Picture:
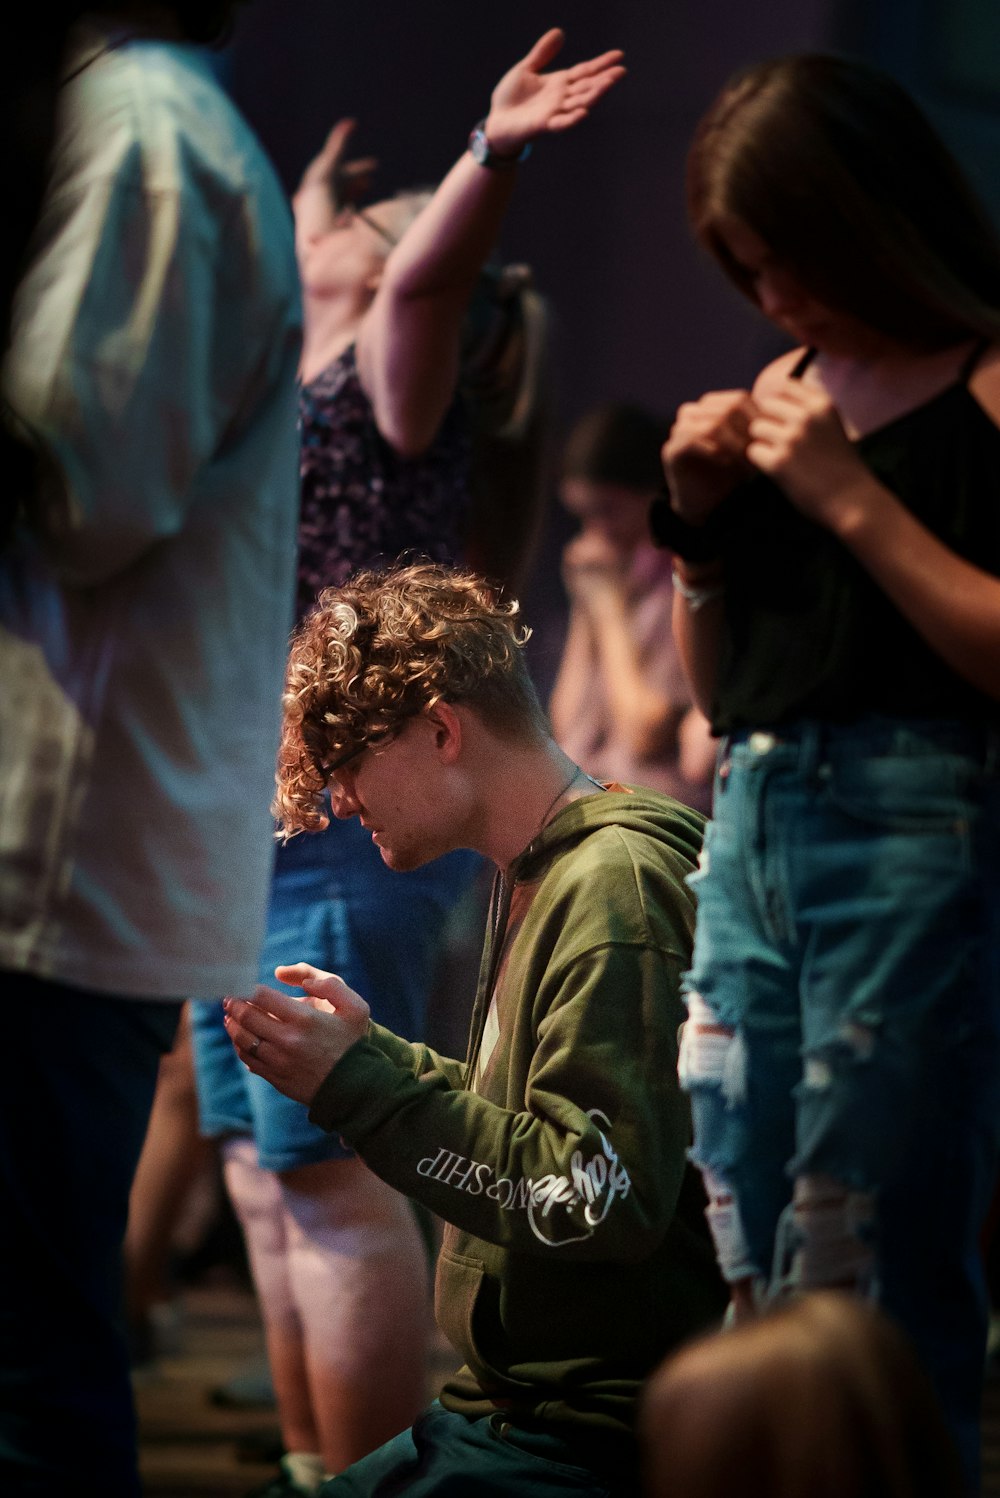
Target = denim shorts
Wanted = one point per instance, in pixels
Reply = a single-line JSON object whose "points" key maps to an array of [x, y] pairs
{"points": [[848, 933], [336, 905]]}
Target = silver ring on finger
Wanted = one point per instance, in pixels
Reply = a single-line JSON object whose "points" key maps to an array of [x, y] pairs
{"points": [[256, 1045]]}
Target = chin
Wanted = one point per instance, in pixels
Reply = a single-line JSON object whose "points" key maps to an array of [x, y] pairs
{"points": [[401, 862]]}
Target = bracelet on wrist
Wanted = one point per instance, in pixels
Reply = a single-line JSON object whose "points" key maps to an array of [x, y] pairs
{"points": [[695, 595]]}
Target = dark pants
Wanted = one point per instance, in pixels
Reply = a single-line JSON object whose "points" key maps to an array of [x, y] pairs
{"points": [[446, 1455], [79, 1071]]}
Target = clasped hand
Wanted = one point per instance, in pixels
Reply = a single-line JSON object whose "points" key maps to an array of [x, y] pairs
{"points": [[294, 1043], [593, 569], [786, 429]]}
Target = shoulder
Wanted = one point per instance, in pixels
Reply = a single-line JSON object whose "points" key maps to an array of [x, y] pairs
{"points": [[985, 382], [625, 880], [775, 373]]}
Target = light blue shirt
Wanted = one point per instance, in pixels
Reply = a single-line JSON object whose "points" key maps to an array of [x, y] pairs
{"points": [[145, 605]]}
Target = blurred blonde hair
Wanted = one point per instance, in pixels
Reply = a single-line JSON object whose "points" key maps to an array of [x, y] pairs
{"points": [[821, 1397]]}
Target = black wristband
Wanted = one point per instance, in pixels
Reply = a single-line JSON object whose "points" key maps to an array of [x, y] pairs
{"points": [[692, 543]]}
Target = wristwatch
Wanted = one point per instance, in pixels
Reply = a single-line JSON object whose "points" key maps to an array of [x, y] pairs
{"points": [[483, 153]]}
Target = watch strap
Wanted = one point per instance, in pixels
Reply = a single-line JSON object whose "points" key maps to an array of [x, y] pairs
{"points": [[484, 154]]}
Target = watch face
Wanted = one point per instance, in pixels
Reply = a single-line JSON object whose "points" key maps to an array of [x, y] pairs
{"points": [[479, 147]]}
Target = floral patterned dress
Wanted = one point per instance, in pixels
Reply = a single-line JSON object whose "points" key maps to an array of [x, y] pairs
{"points": [[362, 504]]}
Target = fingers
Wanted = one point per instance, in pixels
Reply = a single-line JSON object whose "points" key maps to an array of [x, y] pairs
{"points": [[339, 135], [324, 991], [607, 60], [716, 426], [264, 1013], [545, 49], [313, 979], [249, 1025]]}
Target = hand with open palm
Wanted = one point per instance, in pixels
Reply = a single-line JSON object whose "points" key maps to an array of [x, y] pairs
{"points": [[528, 102]]}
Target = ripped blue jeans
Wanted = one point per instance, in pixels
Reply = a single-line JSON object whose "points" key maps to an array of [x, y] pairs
{"points": [[842, 1051]]}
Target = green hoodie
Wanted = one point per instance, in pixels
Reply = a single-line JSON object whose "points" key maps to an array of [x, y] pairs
{"points": [[575, 1253]]}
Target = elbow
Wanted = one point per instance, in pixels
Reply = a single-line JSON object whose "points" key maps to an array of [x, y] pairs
{"points": [[407, 433]]}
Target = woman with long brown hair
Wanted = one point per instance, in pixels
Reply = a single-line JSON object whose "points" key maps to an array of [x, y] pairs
{"points": [[837, 530]]}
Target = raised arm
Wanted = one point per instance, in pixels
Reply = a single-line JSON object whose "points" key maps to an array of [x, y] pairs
{"points": [[329, 182], [408, 344]]}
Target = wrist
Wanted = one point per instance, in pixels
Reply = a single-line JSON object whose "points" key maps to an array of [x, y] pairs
{"points": [[698, 594], [699, 574], [491, 148]]}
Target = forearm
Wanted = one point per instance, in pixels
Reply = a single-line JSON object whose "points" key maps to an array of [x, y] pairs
{"points": [[698, 629], [644, 714], [442, 252], [314, 211], [591, 1164], [409, 342], [573, 679], [953, 604]]}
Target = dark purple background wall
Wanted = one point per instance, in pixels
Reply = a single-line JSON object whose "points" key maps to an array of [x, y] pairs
{"points": [[640, 313], [599, 213]]}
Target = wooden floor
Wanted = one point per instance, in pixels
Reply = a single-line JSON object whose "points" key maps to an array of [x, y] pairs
{"points": [[191, 1448]]}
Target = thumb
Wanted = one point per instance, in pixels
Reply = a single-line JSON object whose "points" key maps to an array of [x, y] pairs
{"points": [[324, 990], [545, 49]]}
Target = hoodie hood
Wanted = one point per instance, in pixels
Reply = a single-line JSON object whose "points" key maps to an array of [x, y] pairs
{"points": [[631, 808]]}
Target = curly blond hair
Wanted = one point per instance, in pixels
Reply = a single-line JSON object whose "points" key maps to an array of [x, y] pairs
{"points": [[383, 648]]}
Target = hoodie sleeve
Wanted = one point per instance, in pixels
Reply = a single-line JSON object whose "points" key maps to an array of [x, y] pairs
{"points": [[589, 1167]]}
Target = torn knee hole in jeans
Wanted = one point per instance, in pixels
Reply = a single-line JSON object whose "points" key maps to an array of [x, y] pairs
{"points": [[711, 1053], [726, 1226], [833, 1230], [857, 1039]]}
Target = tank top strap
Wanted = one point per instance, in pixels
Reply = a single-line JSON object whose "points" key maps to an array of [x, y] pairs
{"points": [[802, 364]]}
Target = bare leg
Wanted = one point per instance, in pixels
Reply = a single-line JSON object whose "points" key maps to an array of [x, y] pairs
{"points": [[341, 1275], [173, 1156]]}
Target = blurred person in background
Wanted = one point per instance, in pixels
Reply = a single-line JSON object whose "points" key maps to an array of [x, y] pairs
{"points": [[821, 1396], [145, 599], [621, 704]]}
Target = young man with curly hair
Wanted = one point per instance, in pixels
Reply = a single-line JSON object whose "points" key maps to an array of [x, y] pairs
{"points": [[575, 1253]]}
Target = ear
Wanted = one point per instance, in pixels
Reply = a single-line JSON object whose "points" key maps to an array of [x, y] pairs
{"points": [[446, 724]]}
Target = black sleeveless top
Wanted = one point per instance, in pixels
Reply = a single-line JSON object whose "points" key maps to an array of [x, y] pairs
{"points": [[808, 633]]}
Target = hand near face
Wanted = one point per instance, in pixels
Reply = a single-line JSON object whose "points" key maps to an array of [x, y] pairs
{"points": [[300, 1040], [592, 568], [797, 438], [705, 456], [344, 181], [527, 102], [328, 182]]}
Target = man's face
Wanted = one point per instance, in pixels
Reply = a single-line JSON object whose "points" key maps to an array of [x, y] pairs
{"points": [[397, 789]]}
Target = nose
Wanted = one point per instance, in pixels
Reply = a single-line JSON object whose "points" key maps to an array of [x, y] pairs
{"points": [[777, 294], [343, 801]]}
